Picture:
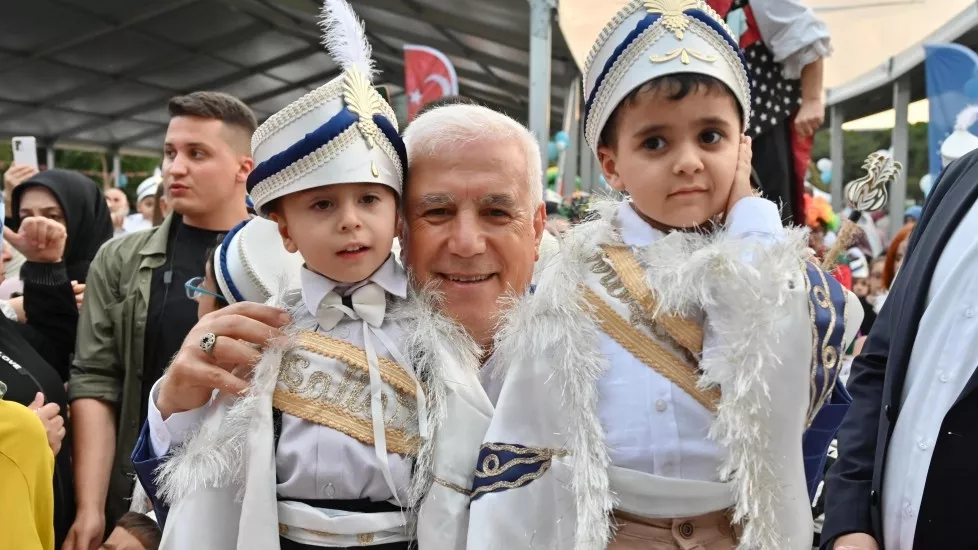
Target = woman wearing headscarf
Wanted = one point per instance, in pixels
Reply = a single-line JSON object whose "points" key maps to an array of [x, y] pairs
{"points": [[75, 202], [28, 352]]}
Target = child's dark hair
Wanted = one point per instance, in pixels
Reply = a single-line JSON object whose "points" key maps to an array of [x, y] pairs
{"points": [[676, 86], [144, 529]]}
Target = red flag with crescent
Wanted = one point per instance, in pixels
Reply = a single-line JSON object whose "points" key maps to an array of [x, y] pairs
{"points": [[428, 75]]}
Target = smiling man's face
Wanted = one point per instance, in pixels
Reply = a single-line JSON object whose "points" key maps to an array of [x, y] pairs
{"points": [[472, 229]]}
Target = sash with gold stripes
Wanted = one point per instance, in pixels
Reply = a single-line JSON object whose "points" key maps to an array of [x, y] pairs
{"points": [[681, 371]]}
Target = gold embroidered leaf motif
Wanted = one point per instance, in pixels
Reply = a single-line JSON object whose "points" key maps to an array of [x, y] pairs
{"points": [[672, 13], [364, 101]]}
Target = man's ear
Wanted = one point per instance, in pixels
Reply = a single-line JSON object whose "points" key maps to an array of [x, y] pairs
{"points": [[245, 165], [608, 160], [539, 226], [283, 230]]}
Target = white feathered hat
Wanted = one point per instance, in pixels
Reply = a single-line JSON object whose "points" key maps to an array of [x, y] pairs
{"points": [[341, 132], [649, 39], [961, 141], [252, 264]]}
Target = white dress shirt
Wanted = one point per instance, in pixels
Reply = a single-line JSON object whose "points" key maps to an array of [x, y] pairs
{"points": [[313, 461], [944, 357], [650, 424], [795, 35]]}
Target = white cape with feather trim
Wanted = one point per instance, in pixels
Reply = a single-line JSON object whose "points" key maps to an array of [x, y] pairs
{"points": [[221, 484], [546, 435]]}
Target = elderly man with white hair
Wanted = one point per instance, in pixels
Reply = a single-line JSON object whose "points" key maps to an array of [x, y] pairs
{"points": [[473, 219]]}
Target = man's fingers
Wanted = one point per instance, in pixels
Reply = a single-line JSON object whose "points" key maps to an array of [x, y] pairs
{"points": [[218, 378], [269, 315], [243, 328], [38, 401], [13, 237], [230, 353], [49, 411]]}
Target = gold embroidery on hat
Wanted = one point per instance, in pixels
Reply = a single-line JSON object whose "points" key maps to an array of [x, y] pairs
{"points": [[683, 54], [672, 13], [363, 100], [374, 170]]}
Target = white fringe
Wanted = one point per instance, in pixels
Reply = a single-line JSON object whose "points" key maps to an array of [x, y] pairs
{"points": [[553, 325], [433, 342], [345, 38]]}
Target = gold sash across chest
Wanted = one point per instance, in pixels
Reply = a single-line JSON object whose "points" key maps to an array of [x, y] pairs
{"points": [[646, 349]]}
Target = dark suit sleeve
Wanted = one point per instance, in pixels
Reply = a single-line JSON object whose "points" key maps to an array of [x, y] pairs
{"points": [[145, 464], [848, 485]]}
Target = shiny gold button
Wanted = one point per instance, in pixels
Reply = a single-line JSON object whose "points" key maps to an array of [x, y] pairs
{"points": [[686, 530]]}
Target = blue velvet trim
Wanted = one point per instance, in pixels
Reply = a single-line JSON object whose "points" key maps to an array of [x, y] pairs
{"points": [[392, 136], [818, 437], [645, 23], [302, 148], [827, 301], [504, 466], [224, 261]]}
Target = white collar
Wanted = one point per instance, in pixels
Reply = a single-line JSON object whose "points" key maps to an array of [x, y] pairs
{"points": [[390, 276], [634, 230]]}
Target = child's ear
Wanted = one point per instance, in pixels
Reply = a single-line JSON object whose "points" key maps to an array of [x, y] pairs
{"points": [[608, 160], [283, 230]]}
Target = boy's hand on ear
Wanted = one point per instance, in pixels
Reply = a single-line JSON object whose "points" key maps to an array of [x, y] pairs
{"points": [[741, 187]]}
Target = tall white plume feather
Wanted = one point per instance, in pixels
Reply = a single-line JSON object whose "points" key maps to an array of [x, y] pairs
{"points": [[966, 118], [345, 38]]}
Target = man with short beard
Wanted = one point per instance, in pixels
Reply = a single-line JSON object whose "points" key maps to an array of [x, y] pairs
{"points": [[136, 312]]}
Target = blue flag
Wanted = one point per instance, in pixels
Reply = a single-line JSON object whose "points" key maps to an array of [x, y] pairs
{"points": [[952, 85]]}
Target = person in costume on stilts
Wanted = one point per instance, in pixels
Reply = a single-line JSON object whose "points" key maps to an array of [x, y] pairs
{"points": [[664, 408], [319, 453]]}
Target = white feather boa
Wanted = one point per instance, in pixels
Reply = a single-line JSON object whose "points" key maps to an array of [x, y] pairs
{"points": [[216, 455], [689, 272]]}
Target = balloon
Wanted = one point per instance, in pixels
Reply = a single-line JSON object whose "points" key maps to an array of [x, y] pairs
{"points": [[552, 175], [827, 176], [552, 151], [824, 165], [561, 146], [602, 180], [926, 183], [562, 138]]}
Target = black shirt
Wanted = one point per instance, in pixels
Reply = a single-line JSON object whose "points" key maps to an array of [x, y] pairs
{"points": [[170, 314]]}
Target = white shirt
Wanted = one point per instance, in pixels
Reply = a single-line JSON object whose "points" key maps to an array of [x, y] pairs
{"points": [[650, 424], [313, 461], [944, 357]]}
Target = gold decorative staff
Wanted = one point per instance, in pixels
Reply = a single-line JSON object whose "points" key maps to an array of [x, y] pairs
{"points": [[866, 194]]}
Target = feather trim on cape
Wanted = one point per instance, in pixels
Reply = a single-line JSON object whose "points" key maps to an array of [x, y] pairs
{"points": [[690, 272]]}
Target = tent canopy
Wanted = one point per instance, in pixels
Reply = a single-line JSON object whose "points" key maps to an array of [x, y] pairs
{"points": [[78, 73]]}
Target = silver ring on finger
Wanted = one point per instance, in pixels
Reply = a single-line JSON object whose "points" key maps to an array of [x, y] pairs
{"points": [[207, 342]]}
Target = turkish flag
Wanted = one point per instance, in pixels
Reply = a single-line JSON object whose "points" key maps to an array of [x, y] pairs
{"points": [[428, 75]]}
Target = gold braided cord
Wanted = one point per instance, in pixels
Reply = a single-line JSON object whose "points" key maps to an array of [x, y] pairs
{"points": [[685, 332], [336, 417], [390, 372], [646, 350]]}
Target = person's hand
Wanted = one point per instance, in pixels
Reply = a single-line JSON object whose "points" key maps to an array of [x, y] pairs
{"points": [[39, 239], [54, 424], [741, 187], [855, 541], [87, 532], [18, 305], [79, 290], [194, 373], [16, 175], [810, 116]]}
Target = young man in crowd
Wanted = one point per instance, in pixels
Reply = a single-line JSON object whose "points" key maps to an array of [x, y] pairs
{"points": [[136, 313]]}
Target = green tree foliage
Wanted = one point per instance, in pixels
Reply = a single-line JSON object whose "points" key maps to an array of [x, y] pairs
{"points": [[857, 145]]}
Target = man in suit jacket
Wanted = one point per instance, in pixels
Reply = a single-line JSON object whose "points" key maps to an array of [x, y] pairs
{"points": [[906, 473]]}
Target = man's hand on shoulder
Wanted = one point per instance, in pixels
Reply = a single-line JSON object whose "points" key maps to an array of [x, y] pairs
{"points": [[195, 373], [855, 541]]}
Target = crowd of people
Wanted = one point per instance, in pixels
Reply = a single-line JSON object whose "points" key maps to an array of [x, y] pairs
{"points": [[326, 332]]}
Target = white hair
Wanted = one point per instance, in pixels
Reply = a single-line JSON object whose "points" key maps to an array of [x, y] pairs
{"points": [[450, 127]]}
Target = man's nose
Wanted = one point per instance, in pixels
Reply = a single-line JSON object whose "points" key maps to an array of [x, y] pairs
{"points": [[468, 238], [176, 166]]}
